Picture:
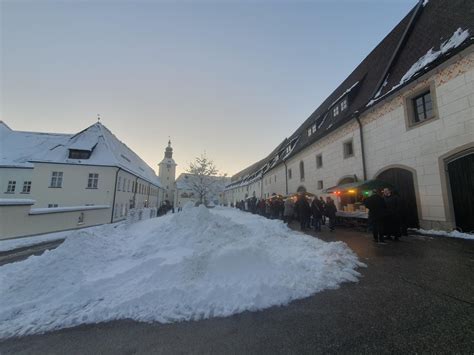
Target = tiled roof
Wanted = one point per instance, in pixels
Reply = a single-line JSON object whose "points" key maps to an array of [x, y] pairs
{"points": [[428, 26]]}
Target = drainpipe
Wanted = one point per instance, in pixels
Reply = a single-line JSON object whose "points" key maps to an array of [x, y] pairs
{"points": [[286, 177], [362, 148], [115, 193]]}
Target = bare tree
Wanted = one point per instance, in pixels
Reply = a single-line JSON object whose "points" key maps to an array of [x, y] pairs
{"points": [[204, 179]]}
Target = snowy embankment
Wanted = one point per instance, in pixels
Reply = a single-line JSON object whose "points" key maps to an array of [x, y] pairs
{"points": [[440, 233], [192, 265], [12, 244]]}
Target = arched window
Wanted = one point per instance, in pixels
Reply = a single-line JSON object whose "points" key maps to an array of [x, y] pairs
{"points": [[301, 171]]}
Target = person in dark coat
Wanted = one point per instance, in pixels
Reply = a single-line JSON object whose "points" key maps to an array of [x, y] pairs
{"points": [[330, 211], [392, 217], [377, 212], [317, 212], [323, 206], [304, 211]]}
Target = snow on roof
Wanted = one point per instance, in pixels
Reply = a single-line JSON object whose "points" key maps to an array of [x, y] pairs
{"points": [[18, 147], [458, 37], [22, 149]]}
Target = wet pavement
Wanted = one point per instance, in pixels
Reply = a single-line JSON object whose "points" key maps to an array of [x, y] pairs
{"points": [[415, 296]]}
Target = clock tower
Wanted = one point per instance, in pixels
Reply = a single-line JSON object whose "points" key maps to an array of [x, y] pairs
{"points": [[167, 174]]}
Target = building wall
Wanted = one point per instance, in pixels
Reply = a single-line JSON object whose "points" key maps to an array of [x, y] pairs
{"points": [[335, 167], [15, 174], [274, 182], [390, 142], [74, 191], [15, 221]]}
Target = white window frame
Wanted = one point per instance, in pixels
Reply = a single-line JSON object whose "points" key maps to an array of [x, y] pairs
{"points": [[343, 104], [56, 179], [93, 181], [26, 187], [320, 184], [11, 187], [335, 111]]}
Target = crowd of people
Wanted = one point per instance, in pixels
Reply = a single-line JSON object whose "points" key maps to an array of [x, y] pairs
{"points": [[384, 219], [311, 212]]}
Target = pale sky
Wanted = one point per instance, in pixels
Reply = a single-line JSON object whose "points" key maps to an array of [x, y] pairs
{"points": [[229, 78]]}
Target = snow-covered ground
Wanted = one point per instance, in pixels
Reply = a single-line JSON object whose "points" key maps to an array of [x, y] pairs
{"points": [[195, 264], [452, 234]]}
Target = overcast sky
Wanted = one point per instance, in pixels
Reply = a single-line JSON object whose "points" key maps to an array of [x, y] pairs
{"points": [[229, 78]]}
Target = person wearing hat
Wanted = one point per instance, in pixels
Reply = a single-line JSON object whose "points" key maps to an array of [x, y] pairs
{"points": [[377, 212]]}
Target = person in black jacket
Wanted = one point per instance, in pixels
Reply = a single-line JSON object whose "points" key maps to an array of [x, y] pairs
{"points": [[330, 211], [317, 211], [377, 211], [393, 212], [304, 211]]}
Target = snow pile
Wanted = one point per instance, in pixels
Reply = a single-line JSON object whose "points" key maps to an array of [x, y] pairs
{"points": [[195, 264], [452, 234], [458, 37]]}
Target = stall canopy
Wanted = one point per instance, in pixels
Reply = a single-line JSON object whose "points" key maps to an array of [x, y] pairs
{"points": [[366, 185]]}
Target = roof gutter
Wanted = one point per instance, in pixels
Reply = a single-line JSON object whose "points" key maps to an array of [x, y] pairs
{"points": [[400, 45]]}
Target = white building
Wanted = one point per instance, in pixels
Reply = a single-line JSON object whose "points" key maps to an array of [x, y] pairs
{"points": [[405, 115], [189, 185], [51, 182]]}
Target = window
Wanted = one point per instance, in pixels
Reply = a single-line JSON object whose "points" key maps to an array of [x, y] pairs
{"points": [[319, 161], [56, 179], [335, 111], [309, 131], [320, 184], [93, 181], [128, 186], [79, 154], [11, 187], [423, 107], [343, 104], [301, 171], [52, 205], [26, 187], [124, 183], [116, 211], [289, 173], [348, 149], [80, 220], [119, 183]]}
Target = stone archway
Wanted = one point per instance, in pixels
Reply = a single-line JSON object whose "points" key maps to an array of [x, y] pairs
{"points": [[403, 181], [460, 173]]}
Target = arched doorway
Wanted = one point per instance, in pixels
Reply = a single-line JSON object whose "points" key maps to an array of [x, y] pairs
{"points": [[403, 182], [461, 181]]}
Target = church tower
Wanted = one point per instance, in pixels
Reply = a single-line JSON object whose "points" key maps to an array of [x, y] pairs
{"points": [[167, 173]]}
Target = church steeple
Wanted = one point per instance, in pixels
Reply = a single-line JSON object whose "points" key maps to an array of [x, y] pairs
{"points": [[169, 151]]}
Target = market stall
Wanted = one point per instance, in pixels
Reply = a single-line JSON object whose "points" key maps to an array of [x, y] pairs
{"points": [[350, 201]]}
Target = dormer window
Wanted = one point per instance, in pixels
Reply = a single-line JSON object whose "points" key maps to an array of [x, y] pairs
{"points": [[79, 154], [344, 104], [335, 111]]}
